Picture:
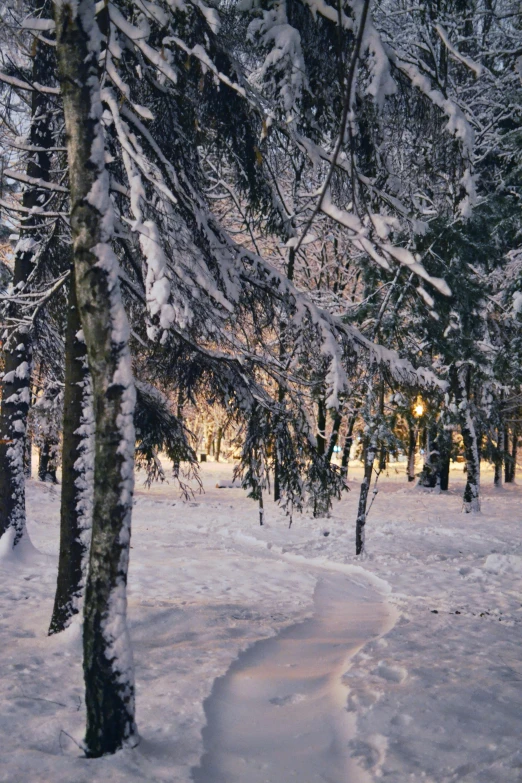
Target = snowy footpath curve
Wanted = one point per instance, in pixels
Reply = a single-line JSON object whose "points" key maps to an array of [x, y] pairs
{"points": [[279, 713]]}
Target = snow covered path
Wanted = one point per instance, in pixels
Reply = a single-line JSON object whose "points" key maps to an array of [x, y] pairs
{"points": [[435, 699], [279, 713]]}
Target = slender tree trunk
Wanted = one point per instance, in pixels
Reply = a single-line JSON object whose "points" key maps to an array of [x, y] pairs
{"points": [[108, 668], [382, 451], [348, 443], [444, 442], [77, 474], [16, 391], [510, 462], [320, 507], [179, 413], [261, 508], [281, 389], [48, 462], [514, 445], [277, 464], [471, 496], [369, 457], [219, 438], [277, 473], [383, 458], [507, 459], [412, 448], [499, 458], [28, 456], [334, 437], [444, 474]]}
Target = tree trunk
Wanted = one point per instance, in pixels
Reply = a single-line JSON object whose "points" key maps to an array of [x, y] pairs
{"points": [[334, 437], [28, 456], [412, 448], [219, 438], [16, 391], [281, 389], [369, 457], [277, 465], [48, 462], [348, 443], [514, 445], [77, 474], [179, 413], [382, 451], [444, 442], [499, 458], [444, 474], [108, 668], [383, 458], [277, 471], [510, 462], [507, 456], [471, 498], [320, 507]]}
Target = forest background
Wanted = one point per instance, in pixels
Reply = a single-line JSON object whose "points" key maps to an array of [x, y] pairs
{"points": [[297, 220]]}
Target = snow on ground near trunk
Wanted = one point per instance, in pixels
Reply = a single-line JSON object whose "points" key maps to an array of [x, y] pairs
{"points": [[437, 699]]}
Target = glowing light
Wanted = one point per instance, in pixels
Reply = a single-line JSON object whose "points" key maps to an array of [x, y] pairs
{"points": [[418, 408]]}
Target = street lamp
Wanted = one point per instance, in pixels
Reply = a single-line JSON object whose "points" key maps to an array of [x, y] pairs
{"points": [[418, 408]]}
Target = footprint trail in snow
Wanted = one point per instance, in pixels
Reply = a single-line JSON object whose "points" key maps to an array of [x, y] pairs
{"points": [[279, 713]]}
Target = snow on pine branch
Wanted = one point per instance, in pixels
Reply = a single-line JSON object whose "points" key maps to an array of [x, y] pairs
{"points": [[21, 84], [359, 237], [477, 68], [333, 14], [283, 67], [35, 182], [178, 265], [335, 336]]}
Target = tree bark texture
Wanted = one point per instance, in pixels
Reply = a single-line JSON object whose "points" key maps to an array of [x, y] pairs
{"points": [[77, 473], [321, 427], [514, 446], [290, 269], [320, 506], [369, 457], [334, 437], [412, 448], [348, 443], [48, 462], [219, 438], [471, 498], [28, 456], [511, 460], [499, 457], [108, 668], [444, 442], [383, 455], [16, 391]]}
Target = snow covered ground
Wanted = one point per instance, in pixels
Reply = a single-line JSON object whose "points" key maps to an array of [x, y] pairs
{"points": [[421, 663]]}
